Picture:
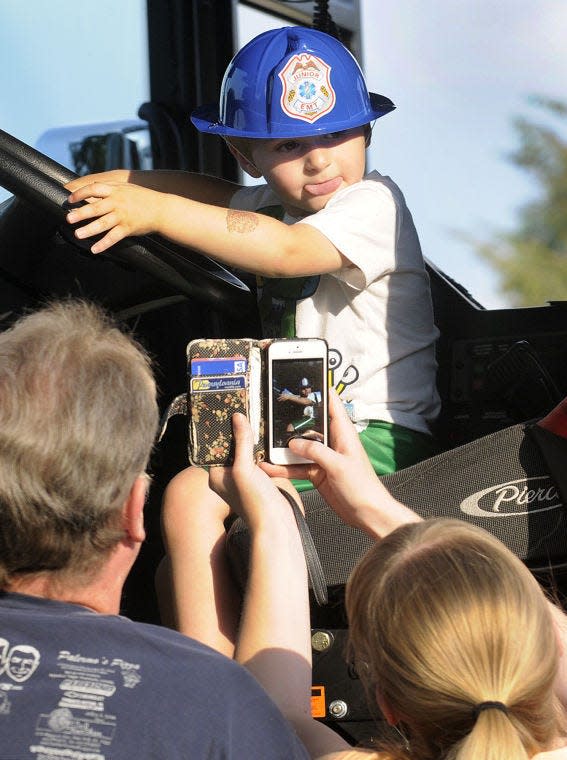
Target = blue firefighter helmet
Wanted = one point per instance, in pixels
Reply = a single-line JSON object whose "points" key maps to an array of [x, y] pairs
{"points": [[291, 82]]}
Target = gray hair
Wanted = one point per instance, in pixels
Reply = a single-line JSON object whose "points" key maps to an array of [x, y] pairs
{"points": [[78, 417]]}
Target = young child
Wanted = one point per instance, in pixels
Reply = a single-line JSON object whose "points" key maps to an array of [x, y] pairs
{"points": [[336, 251], [294, 109]]}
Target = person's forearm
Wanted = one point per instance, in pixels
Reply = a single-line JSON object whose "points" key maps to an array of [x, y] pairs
{"points": [[200, 187], [274, 637], [253, 242], [293, 399], [302, 401], [116, 209], [378, 513]]}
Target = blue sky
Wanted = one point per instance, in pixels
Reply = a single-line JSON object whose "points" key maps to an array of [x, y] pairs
{"points": [[63, 62], [458, 70]]}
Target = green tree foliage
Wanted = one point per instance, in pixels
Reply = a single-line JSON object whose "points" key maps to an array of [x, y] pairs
{"points": [[532, 259]]}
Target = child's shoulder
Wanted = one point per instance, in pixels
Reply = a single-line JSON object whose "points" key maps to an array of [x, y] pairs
{"points": [[375, 186], [381, 181]]}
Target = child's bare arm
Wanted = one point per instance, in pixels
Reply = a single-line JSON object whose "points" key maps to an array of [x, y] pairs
{"points": [[244, 239], [200, 187]]}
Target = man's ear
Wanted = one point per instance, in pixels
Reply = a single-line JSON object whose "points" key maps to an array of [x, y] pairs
{"points": [[392, 718], [134, 510], [245, 163]]}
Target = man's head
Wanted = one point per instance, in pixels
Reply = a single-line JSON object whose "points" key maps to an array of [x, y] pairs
{"points": [[78, 417]]}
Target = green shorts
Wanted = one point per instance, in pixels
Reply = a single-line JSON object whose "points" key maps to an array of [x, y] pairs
{"points": [[390, 448]]}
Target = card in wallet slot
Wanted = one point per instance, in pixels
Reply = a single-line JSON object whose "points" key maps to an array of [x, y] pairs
{"points": [[225, 375]]}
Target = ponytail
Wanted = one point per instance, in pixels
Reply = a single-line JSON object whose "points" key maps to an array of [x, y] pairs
{"points": [[493, 737]]}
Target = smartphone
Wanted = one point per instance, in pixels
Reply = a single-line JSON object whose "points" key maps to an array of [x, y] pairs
{"points": [[297, 396]]}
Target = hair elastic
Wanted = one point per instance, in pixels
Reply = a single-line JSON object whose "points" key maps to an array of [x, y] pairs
{"points": [[477, 709]]}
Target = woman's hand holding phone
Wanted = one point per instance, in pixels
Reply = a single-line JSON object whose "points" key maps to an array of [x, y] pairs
{"points": [[251, 493], [344, 477]]}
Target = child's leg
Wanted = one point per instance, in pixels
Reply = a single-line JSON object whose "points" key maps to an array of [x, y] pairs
{"points": [[195, 590]]}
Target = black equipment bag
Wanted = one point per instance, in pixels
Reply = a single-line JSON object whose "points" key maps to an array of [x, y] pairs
{"points": [[501, 482]]}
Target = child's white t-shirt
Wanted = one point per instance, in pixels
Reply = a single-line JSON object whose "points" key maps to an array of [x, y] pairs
{"points": [[376, 315]]}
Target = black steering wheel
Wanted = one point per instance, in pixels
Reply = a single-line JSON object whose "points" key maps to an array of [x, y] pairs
{"points": [[38, 180]]}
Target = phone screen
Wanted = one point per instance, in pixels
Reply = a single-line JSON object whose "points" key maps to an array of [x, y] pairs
{"points": [[298, 400]]}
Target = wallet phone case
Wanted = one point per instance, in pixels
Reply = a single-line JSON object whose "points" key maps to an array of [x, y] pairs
{"points": [[225, 375]]}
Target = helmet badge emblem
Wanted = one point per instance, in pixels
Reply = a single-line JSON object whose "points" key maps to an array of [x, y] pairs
{"points": [[307, 93]]}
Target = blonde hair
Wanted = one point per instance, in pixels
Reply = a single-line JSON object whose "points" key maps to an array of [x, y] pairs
{"points": [[442, 618], [78, 417]]}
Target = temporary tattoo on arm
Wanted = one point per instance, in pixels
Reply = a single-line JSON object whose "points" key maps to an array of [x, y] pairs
{"points": [[241, 221]]}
